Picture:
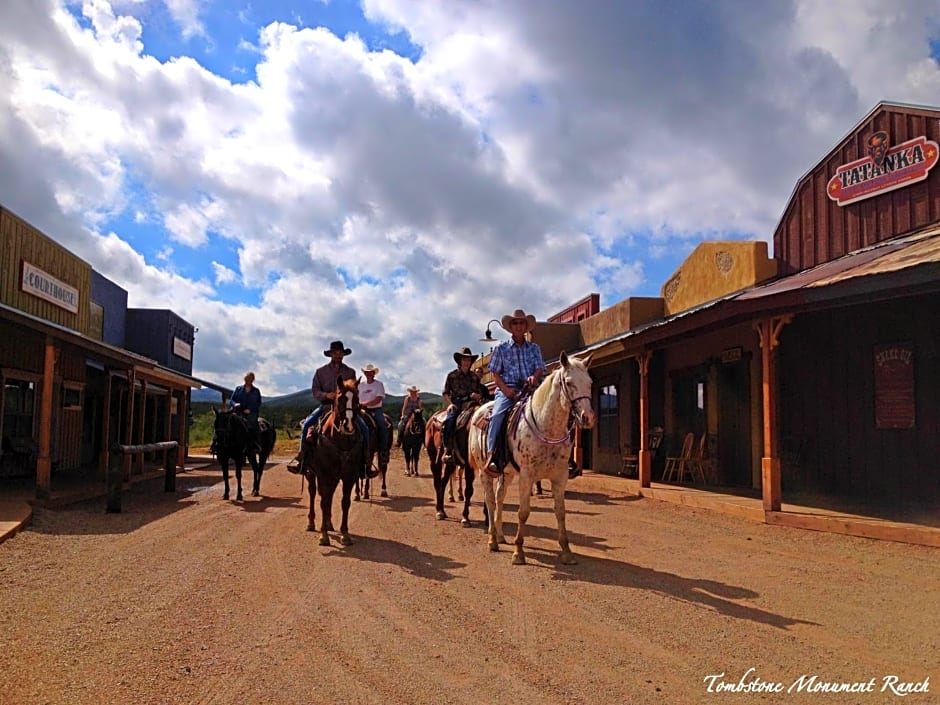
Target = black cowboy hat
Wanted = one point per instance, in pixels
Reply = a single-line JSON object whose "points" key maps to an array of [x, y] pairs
{"points": [[337, 345], [464, 352]]}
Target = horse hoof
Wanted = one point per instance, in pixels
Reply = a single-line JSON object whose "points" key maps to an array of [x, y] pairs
{"points": [[518, 559], [441, 515], [465, 523], [356, 498], [225, 496], [384, 493], [494, 547], [255, 493], [345, 540], [238, 497], [460, 498], [311, 527], [568, 559], [324, 540]]}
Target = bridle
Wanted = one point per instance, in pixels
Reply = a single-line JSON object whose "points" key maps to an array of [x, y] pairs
{"points": [[573, 415]]}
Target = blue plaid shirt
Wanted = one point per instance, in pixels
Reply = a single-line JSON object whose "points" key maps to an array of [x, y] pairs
{"points": [[516, 363]]}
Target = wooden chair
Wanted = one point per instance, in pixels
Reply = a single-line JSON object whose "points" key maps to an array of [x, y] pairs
{"points": [[676, 464], [631, 461], [695, 465]]}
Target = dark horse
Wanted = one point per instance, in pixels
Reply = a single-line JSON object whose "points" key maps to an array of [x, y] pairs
{"points": [[336, 456], [233, 442], [412, 439], [441, 471], [380, 455]]}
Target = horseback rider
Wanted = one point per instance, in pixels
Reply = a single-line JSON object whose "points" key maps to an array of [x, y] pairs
{"points": [[246, 401], [411, 404], [371, 395], [516, 364], [461, 387], [323, 389]]}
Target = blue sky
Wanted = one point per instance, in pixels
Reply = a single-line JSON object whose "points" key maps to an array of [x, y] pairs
{"points": [[396, 173]]}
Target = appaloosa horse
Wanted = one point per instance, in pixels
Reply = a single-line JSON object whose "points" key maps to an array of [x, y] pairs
{"points": [[539, 442], [378, 458], [336, 455], [232, 441], [412, 439], [441, 471]]}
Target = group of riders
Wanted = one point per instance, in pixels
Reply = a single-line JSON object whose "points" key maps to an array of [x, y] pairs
{"points": [[516, 365]]}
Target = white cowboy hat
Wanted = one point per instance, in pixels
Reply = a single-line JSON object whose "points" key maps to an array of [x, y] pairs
{"points": [[413, 388], [371, 368], [519, 313]]}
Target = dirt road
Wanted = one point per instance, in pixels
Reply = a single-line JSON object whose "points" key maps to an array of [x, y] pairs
{"points": [[187, 598]]}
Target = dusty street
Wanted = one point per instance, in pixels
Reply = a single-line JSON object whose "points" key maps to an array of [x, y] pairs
{"points": [[189, 599]]}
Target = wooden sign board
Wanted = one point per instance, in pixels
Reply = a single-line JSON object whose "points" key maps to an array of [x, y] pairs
{"points": [[894, 385]]}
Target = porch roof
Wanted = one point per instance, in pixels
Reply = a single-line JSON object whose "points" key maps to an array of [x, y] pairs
{"points": [[895, 268]]}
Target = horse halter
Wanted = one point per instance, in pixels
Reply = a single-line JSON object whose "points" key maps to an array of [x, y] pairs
{"points": [[575, 417]]}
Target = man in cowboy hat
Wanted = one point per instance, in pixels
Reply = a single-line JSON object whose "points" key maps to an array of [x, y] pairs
{"points": [[371, 395], [411, 404], [460, 388], [515, 364], [323, 389]]}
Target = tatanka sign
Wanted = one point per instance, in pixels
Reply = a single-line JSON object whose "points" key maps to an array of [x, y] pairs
{"points": [[884, 169]]}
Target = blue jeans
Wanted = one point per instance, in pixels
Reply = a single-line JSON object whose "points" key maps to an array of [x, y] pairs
{"points": [[382, 429], [501, 405]]}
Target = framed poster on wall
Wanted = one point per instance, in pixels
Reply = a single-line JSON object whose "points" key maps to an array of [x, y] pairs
{"points": [[894, 385]]}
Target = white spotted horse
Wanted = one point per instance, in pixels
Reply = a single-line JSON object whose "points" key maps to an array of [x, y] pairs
{"points": [[336, 456], [539, 439], [441, 471], [232, 441]]}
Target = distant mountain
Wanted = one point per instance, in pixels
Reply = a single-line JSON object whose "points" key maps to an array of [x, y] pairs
{"points": [[287, 409]]}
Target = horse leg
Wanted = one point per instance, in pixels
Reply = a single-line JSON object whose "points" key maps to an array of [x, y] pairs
{"points": [[460, 480], [466, 495], [558, 492], [362, 488], [238, 481], [450, 488], [256, 469], [525, 507], [383, 468], [489, 511], [345, 502], [224, 462], [501, 487], [326, 513], [312, 514], [441, 478]]}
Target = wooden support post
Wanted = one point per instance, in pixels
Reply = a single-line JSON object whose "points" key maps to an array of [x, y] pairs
{"points": [[129, 422], [645, 456], [44, 461], [104, 460], [183, 426], [141, 427], [115, 480], [169, 466], [768, 330]]}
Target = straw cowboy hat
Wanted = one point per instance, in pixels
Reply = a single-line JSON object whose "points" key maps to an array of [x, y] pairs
{"points": [[414, 389], [337, 345], [519, 313], [371, 368], [464, 352]]}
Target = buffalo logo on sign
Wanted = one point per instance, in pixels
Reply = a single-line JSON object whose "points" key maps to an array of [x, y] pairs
{"points": [[884, 169]]}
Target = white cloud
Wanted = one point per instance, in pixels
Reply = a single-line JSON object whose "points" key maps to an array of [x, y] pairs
{"points": [[527, 159]]}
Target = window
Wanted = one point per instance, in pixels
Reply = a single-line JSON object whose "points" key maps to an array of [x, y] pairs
{"points": [[608, 419], [18, 402], [71, 396]]}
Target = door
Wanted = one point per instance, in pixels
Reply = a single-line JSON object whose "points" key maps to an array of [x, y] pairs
{"points": [[734, 428]]}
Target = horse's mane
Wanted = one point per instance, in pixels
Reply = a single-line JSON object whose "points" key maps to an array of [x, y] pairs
{"points": [[540, 395]]}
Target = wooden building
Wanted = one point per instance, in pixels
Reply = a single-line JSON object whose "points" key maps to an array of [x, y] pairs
{"points": [[70, 390], [814, 371]]}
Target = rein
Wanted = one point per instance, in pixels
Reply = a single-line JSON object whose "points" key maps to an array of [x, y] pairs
{"points": [[533, 426]]}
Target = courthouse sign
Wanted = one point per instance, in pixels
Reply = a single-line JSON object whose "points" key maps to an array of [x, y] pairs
{"points": [[884, 169], [45, 286]]}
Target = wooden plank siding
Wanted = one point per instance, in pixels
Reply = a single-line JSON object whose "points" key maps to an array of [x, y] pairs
{"points": [[22, 242], [815, 229], [831, 408]]}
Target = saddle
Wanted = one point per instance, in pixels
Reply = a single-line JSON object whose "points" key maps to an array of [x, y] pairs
{"points": [[513, 417]]}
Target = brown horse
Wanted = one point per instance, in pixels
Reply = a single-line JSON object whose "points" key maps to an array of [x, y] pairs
{"points": [[337, 456], [441, 471]]}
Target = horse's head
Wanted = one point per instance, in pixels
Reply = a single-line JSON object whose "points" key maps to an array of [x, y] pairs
{"points": [[229, 428], [346, 406], [576, 386]]}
